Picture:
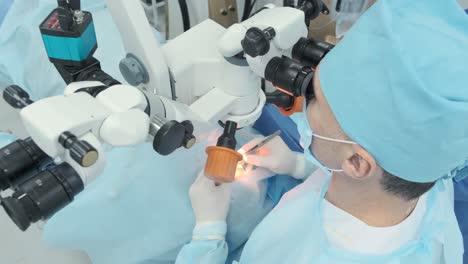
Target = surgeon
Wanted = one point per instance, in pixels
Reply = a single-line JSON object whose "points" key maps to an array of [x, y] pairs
{"points": [[386, 120]]}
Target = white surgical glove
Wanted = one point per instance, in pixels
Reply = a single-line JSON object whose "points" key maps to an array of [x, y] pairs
{"points": [[210, 202], [278, 158]]}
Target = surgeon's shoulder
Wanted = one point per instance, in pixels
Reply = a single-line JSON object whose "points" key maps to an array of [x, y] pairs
{"points": [[310, 188], [446, 188]]}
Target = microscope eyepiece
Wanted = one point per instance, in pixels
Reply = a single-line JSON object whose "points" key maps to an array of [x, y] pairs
{"points": [[42, 196], [310, 52], [18, 160], [289, 76]]}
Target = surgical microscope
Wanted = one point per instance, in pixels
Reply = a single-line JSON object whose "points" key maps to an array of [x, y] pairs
{"points": [[209, 74]]}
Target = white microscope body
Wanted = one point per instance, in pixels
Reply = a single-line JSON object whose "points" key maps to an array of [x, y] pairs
{"points": [[194, 76], [116, 116]]}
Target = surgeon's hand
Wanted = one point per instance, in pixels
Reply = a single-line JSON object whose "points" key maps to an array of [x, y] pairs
{"points": [[210, 202], [278, 158]]}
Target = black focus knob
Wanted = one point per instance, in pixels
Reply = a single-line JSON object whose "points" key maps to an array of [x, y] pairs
{"points": [[257, 42], [312, 9], [189, 139], [16, 97], [169, 138], [80, 151]]}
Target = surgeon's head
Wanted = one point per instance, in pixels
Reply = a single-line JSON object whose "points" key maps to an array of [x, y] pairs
{"points": [[391, 88], [338, 152]]}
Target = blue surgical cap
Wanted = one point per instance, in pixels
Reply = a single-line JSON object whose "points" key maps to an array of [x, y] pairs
{"points": [[398, 85]]}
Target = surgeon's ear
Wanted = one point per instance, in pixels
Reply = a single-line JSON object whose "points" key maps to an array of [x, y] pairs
{"points": [[359, 164]]}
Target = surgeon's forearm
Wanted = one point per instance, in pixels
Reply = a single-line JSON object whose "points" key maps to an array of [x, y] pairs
{"points": [[208, 245]]}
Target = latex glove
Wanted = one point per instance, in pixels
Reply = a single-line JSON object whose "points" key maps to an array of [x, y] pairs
{"points": [[278, 158], [210, 203]]}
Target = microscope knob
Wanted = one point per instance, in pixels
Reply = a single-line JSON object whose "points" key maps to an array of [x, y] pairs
{"points": [[257, 41], [83, 153], [189, 141], [133, 70], [80, 151], [169, 138], [312, 9], [189, 138]]}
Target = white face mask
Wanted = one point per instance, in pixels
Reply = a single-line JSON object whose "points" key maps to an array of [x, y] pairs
{"points": [[306, 136]]}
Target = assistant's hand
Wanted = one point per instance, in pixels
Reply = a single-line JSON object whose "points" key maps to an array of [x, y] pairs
{"points": [[278, 158], [210, 202]]}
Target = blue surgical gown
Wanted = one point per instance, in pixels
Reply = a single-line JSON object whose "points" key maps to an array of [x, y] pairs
{"points": [[293, 233]]}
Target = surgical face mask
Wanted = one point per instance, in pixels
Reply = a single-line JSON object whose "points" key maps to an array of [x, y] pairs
{"points": [[306, 136]]}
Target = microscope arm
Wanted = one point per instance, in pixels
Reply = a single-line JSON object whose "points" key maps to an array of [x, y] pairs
{"points": [[142, 49]]}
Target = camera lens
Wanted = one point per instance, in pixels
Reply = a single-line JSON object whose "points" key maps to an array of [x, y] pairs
{"points": [[310, 52], [42, 196], [289, 76], [19, 159]]}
